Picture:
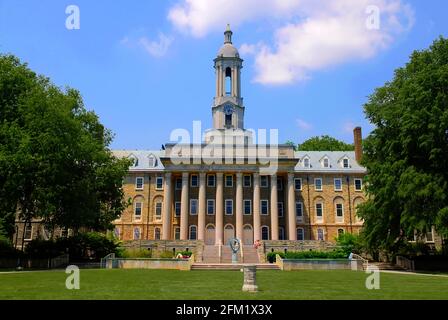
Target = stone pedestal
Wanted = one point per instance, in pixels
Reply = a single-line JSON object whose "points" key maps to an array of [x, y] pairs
{"points": [[250, 279]]}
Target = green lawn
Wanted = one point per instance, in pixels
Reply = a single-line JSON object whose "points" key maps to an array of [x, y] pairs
{"points": [[209, 285]]}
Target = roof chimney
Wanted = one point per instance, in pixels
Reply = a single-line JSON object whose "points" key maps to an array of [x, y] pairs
{"points": [[357, 132]]}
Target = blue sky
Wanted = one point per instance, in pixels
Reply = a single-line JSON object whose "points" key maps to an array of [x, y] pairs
{"points": [[146, 67]]}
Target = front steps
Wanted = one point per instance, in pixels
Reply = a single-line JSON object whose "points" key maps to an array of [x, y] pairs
{"points": [[384, 266], [211, 255], [230, 266]]}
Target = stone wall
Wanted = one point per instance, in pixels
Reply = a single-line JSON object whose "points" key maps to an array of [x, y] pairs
{"points": [[159, 246], [307, 245]]}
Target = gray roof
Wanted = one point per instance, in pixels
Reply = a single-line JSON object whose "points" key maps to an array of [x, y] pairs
{"points": [[228, 51], [335, 161], [143, 159]]}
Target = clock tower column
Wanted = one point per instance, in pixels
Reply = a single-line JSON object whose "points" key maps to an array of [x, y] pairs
{"points": [[228, 109]]}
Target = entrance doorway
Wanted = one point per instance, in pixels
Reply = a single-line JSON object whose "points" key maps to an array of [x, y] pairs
{"points": [[229, 233], [210, 235], [248, 235]]}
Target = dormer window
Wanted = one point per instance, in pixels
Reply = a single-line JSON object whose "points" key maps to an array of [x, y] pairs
{"points": [[306, 162], [326, 163], [152, 161], [134, 159], [345, 163]]}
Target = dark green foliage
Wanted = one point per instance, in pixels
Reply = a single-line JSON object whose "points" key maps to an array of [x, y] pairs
{"points": [[324, 143], [54, 158], [406, 153], [349, 243], [83, 246], [336, 254]]}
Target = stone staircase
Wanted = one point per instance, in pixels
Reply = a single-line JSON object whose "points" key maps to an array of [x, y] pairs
{"points": [[210, 254], [384, 266], [250, 255], [230, 266]]}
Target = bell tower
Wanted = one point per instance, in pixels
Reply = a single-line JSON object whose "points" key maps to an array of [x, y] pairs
{"points": [[228, 109]]}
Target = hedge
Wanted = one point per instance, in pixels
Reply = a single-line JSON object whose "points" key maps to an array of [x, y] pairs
{"points": [[336, 254]]}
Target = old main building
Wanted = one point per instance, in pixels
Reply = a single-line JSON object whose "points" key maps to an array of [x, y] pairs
{"points": [[230, 186]]}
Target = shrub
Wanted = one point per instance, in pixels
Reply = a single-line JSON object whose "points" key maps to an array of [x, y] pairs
{"points": [[336, 254], [166, 255], [349, 243], [134, 253]]}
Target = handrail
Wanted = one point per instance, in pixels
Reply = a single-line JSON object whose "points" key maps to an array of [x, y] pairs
{"points": [[358, 257], [104, 260]]}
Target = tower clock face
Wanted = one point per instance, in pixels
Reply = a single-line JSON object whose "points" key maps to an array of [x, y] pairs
{"points": [[228, 109]]}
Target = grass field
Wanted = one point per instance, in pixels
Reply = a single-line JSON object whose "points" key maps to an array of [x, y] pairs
{"points": [[212, 285]]}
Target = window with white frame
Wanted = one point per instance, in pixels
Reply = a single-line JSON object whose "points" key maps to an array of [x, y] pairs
{"points": [[211, 180], [358, 184], [318, 184], [247, 181], [247, 207], [264, 207], [136, 233], [138, 210], [193, 207], [28, 232], [300, 234], [194, 180], [158, 210], [177, 208], [320, 234], [299, 211], [177, 233], [298, 184], [345, 163], [264, 182], [229, 207], [337, 184], [306, 163], [152, 161], [326, 163], [159, 183], [319, 211], [281, 233], [178, 183], [229, 181], [139, 182], [280, 209], [339, 212], [193, 233], [429, 236], [210, 207]]}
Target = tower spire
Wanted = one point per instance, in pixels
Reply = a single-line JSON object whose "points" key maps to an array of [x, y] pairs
{"points": [[228, 35]]}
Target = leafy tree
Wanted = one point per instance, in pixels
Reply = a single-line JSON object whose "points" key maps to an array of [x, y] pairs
{"points": [[406, 153], [54, 158], [324, 143]]}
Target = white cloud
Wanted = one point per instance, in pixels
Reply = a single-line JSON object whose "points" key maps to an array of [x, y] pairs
{"points": [[313, 34], [303, 125], [156, 48]]}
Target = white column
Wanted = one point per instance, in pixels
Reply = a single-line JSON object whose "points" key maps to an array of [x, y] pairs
{"points": [[239, 205], [219, 209], [274, 208], [166, 225], [256, 208], [202, 207], [184, 207], [292, 224]]}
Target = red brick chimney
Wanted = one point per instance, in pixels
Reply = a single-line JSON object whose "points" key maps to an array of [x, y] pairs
{"points": [[357, 132]]}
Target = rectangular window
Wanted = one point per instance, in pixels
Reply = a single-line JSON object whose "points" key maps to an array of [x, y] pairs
{"points": [[139, 183], [194, 180], [211, 178], [429, 236], [358, 184], [138, 210], [247, 207], [299, 211], [318, 184], [177, 233], [264, 183], [345, 163], [193, 207], [298, 184], [159, 210], [339, 212], [159, 183], [279, 184], [247, 181], [28, 232], [177, 206], [300, 234], [264, 207], [280, 209], [210, 207], [319, 211], [229, 181], [178, 183], [229, 207], [337, 184]]}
